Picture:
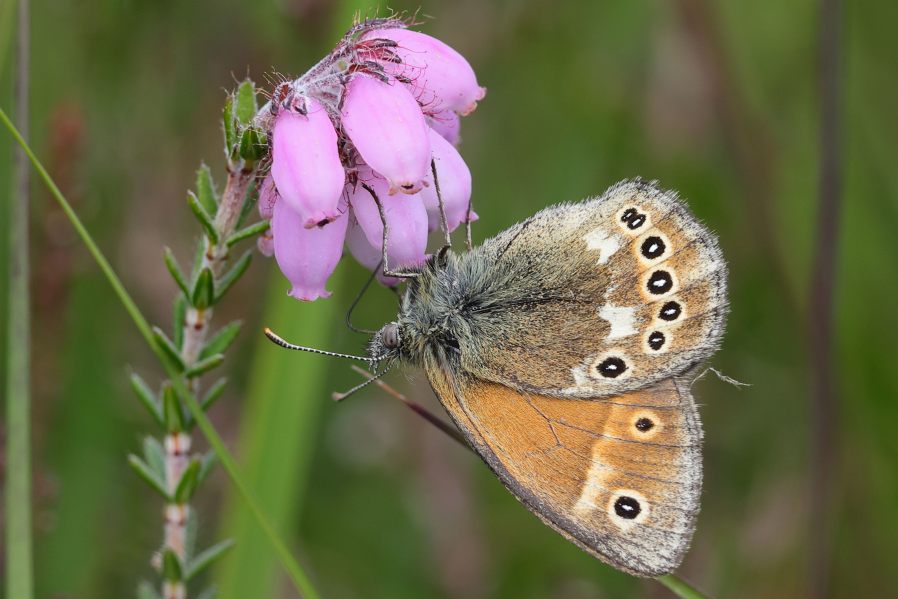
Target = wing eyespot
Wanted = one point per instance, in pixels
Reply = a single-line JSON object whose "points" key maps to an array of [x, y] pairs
{"points": [[633, 219], [627, 507]]}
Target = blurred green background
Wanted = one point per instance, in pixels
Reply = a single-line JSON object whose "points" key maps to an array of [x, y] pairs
{"points": [[717, 100]]}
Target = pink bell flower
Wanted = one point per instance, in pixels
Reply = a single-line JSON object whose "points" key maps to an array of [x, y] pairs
{"points": [[406, 217], [267, 197], [455, 185], [307, 257], [386, 125], [435, 69], [447, 124], [366, 254], [306, 164]]}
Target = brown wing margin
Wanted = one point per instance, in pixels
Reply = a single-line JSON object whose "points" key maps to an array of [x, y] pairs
{"points": [[570, 461]]}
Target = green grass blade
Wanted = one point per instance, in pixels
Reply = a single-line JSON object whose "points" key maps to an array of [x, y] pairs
{"points": [[280, 420], [680, 587], [297, 575]]}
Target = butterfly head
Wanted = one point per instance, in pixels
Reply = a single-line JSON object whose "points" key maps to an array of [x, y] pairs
{"points": [[386, 343]]}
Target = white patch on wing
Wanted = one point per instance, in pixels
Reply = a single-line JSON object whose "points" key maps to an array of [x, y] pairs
{"points": [[593, 484], [621, 319], [606, 243]]}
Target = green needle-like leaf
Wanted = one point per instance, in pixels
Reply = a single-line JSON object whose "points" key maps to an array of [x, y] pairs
{"points": [[171, 567], [208, 557], [205, 365], [147, 398], [205, 189], [205, 219], [187, 484], [221, 340], [214, 392], [206, 464], [179, 317], [203, 294], [245, 107], [154, 454], [171, 263], [233, 274], [168, 349], [247, 232], [171, 408], [144, 471]]}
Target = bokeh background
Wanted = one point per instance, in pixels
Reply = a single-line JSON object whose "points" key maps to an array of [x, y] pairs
{"points": [[719, 100]]}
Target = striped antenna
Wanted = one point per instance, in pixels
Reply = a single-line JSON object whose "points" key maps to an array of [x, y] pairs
{"points": [[276, 339]]}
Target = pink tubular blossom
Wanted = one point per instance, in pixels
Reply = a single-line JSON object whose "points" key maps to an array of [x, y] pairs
{"points": [[387, 127], [307, 257], [267, 198], [455, 185], [306, 165], [406, 217], [447, 124], [435, 69], [366, 254]]}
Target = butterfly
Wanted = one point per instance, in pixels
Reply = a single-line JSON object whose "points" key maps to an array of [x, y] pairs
{"points": [[564, 348]]}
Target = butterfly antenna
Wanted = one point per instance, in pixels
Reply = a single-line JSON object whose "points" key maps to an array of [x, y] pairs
{"points": [[373, 377], [277, 340], [356, 301]]}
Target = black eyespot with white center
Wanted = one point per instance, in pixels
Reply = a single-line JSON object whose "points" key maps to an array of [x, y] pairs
{"points": [[660, 282], [670, 311], [612, 367], [636, 222], [628, 214], [657, 340], [652, 247], [644, 425], [627, 507]]}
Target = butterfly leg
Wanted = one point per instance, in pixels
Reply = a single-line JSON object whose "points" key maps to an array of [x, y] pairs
{"points": [[386, 228], [444, 222]]}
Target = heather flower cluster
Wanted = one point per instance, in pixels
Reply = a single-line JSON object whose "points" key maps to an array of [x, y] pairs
{"points": [[356, 142]]}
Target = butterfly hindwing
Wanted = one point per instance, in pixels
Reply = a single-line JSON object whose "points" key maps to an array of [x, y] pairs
{"points": [[604, 296], [620, 477]]}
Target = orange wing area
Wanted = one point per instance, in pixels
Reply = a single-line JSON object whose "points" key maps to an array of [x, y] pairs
{"points": [[620, 476]]}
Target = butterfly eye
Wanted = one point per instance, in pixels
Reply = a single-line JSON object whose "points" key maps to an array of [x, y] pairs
{"points": [[390, 336]]}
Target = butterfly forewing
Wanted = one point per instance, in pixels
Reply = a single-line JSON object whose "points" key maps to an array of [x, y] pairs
{"points": [[621, 477], [606, 296]]}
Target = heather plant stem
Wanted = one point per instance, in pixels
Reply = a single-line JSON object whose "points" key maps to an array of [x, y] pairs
{"points": [[19, 565], [196, 326], [677, 585], [299, 578]]}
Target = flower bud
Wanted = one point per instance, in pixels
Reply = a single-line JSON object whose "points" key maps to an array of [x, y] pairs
{"points": [[387, 127], [267, 198], [435, 69], [406, 217], [307, 257], [447, 124], [455, 185], [306, 165]]}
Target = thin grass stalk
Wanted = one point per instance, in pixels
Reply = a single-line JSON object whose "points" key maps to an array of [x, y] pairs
{"points": [[297, 575], [19, 558]]}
